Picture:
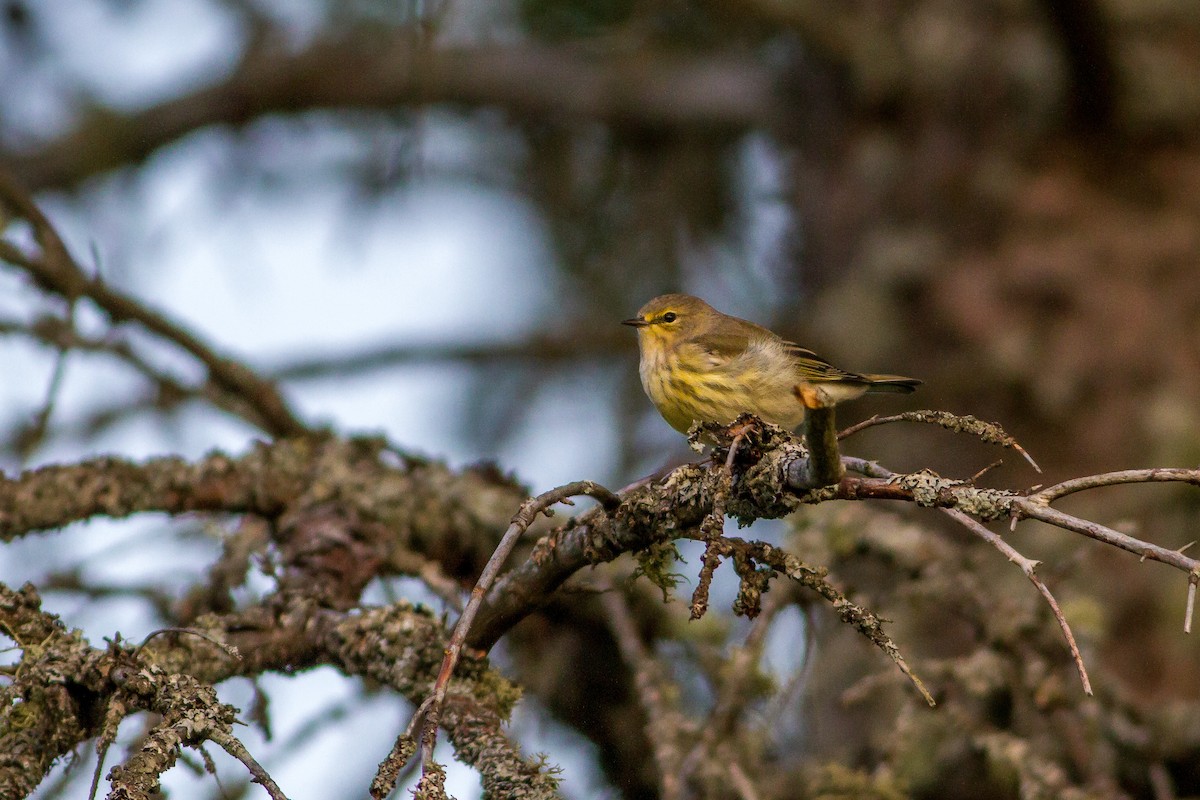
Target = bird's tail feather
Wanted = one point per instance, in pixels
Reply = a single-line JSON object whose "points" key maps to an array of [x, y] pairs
{"points": [[892, 383]]}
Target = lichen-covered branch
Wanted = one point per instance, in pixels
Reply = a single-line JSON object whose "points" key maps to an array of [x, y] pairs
{"points": [[775, 482], [357, 507], [63, 685], [51, 703], [401, 504]]}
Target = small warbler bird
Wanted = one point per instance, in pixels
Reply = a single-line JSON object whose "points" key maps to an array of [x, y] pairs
{"points": [[699, 365]]}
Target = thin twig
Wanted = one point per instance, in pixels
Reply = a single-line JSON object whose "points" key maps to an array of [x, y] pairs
{"points": [[1052, 493], [37, 431], [1191, 602], [1033, 509], [1029, 567], [229, 649], [236, 749], [975, 478], [101, 754], [520, 522]]}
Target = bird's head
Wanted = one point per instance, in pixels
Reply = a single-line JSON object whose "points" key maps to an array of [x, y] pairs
{"points": [[670, 318]]}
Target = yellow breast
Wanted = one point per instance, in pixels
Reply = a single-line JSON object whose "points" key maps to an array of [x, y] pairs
{"points": [[688, 385]]}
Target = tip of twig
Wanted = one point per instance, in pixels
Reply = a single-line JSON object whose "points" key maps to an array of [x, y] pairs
{"points": [[1029, 458], [1191, 605], [971, 480], [912, 676], [924, 692]]}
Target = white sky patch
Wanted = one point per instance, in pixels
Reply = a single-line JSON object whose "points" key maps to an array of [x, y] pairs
{"points": [[140, 53]]}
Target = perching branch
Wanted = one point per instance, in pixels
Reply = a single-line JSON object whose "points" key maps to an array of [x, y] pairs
{"points": [[773, 486], [385, 505]]}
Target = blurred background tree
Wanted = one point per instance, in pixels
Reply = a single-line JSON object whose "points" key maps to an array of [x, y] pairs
{"points": [[426, 218]]}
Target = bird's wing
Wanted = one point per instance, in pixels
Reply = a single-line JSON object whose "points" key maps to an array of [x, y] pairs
{"points": [[723, 346], [811, 366], [735, 341]]}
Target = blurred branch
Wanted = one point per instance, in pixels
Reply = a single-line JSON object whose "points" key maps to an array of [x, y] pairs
{"points": [[732, 90], [56, 271], [413, 506], [666, 726], [1087, 48], [593, 343], [165, 394]]}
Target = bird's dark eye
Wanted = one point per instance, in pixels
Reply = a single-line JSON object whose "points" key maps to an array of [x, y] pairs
{"points": [[670, 316]]}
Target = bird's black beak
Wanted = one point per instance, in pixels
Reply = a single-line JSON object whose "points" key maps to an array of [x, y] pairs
{"points": [[636, 322]]}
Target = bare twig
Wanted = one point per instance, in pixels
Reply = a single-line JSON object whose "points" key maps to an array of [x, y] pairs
{"points": [[1191, 602], [1058, 490], [238, 750], [1029, 508], [229, 649], [1029, 567], [521, 521], [101, 754], [36, 432]]}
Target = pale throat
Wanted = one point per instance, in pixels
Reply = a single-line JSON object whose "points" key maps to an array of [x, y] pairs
{"points": [[654, 367]]}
